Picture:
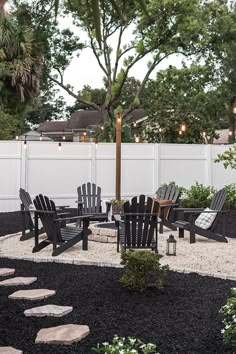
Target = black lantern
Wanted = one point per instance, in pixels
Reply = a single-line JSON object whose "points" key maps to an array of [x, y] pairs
{"points": [[171, 246]]}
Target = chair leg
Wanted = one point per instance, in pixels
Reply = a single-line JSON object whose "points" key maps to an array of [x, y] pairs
{"points": [[181, 233], [192, 236], [161, 228]]}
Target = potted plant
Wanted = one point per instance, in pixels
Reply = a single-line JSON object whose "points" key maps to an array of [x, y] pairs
{"points": [[117, 206]]}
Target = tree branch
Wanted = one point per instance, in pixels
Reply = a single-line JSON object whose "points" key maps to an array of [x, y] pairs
{"points": [[77, 97]]}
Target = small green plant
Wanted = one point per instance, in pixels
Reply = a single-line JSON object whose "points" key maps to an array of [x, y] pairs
{"points": [[231, 195], [118, 202], [229, 310], [142, 270], [197, 196], [130, 345], [228, 157]]}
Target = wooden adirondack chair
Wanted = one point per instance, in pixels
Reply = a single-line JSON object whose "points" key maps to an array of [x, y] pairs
{"points": [[61, 237], [217, 206], [27, 209], [89, 202], [167, 197], [26, 217], [138, 229]]}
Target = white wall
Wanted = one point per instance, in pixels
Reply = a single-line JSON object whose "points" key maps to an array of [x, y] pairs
{"points": [[42, 168]]}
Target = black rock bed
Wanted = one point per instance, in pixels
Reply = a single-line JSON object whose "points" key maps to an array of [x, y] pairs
{"points": [[181, 318]]}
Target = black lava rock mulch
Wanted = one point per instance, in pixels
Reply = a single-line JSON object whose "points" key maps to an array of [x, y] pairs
{"points": [[10, 223], [182, 318]]}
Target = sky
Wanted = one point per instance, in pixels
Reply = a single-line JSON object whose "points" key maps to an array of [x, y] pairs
{"points": [[84, 70]]}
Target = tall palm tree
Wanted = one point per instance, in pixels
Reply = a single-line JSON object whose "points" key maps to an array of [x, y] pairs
{"points": [[20, 60]]}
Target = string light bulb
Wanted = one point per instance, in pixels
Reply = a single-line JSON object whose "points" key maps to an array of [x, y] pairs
{"points": [[25, 143], [204, 134], [17, 137], [135, 124], [59, 146], [102, 127], [63, 137], [85, 133], [230, 133], [234, 109], [180, 132], [183, 127], [160, 130], [41, 137], [137, 139]]}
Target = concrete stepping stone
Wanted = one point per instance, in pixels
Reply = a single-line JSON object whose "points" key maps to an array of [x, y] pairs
{"points": [[49, 310], [9, 350], [17, 281], [35, 294], [4, 272], [65, 334]]}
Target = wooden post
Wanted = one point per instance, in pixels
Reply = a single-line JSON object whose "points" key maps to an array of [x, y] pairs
{"points": [[118, 155]]}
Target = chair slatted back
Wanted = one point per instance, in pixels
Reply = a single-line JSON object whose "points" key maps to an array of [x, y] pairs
{"points": [[90, 195], [140, 229], [219, 200], [25, 199], [168, 192], [43, 203]]}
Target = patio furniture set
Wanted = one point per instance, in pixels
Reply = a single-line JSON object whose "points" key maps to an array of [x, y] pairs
{"points": [[137, 227]]}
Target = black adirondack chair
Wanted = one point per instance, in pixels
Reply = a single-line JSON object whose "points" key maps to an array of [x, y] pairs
{"points": [[27, 210], [217, 205], [138, 229], [171, 193], [61, 237], [89, 202], [26, 215]]}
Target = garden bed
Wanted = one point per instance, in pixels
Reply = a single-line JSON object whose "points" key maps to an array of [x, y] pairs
{"points": [[182, 318]]}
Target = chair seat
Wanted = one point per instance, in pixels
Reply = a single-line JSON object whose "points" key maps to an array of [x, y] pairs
{"points": [[69, 232], [181, 223]]}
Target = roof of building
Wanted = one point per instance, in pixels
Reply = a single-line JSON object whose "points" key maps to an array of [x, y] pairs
{"points": [[84, 120], [223, 137], [53, 126], [32, 135]]}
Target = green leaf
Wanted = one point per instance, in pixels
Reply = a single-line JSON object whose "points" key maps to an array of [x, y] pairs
{"points": [[96, 18]]}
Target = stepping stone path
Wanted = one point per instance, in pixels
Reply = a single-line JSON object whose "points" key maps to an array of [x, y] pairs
{"points": [[17, 281], [35, 294], [49, 310], [66, 334], [9, 350], [4, 272]]}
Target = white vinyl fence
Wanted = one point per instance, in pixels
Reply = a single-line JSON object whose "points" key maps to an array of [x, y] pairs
{"points": [[42, 168]]}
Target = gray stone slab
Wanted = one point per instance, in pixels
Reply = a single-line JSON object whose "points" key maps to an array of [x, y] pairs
{"points": [[4, 272], [48, 310], [17, 281], [65, 334], [9, 350], [35, 294]]}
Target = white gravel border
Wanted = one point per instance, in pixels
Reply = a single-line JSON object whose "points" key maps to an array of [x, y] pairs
{"points": [[205, 257]]}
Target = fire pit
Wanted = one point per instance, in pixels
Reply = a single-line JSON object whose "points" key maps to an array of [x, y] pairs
{"points": [[103, 232]]}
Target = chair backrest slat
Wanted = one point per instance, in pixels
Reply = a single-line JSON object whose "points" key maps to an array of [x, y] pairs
{"points": [[90, 195], [43, 203], [139, 229], [219, 200], [170, 192]]}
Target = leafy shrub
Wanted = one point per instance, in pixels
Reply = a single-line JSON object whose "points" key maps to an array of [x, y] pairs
{"points": [[197, 196], [118, 202], [229, 310], [142, 270], [228, 157], [231, 195], [126, 346]]}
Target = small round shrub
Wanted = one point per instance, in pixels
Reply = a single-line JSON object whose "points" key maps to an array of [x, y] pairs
{"points": [[142, 270]]}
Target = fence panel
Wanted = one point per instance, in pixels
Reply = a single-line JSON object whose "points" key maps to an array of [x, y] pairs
{"points": [[42, 168]]}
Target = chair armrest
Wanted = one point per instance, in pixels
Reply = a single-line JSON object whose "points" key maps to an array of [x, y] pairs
{"points": [[168, 205], [81, 203], [189, 209], [140, 214], [117, 217], [63, 213], [74, 218], [207, 211], [41, 211], [62, 206]]}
